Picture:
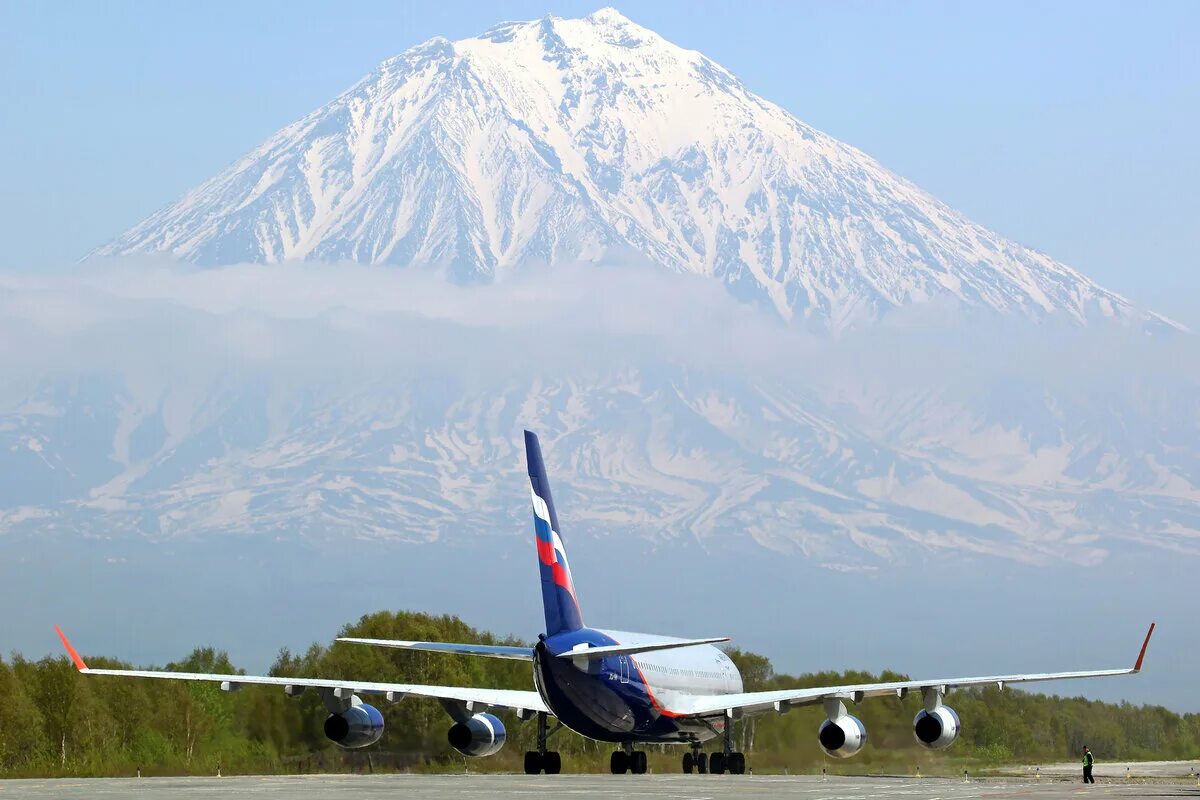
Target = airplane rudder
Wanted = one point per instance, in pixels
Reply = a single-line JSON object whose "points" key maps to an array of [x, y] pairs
{"points": [[558, 590]]}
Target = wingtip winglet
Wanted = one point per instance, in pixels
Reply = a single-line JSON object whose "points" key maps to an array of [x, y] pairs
{"points": [[1142, 654], [71, 651]]}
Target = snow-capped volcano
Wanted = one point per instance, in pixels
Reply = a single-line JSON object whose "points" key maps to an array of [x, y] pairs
{"points": [[580, 139]]}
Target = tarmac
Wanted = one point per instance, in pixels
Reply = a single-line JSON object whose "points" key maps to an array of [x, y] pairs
{"points": [[672, 787], [1115, 769]]}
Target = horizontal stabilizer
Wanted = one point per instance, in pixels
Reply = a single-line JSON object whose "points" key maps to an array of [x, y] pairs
{"points": [[487, 650], [634, 649]]}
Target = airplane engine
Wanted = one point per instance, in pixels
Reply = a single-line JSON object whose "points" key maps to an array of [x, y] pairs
{"points": [[358, 726], [481, 735], [843, 737], [937, 729]]}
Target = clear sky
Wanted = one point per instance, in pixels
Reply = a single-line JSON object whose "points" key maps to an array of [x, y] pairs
{"points": [[1068, 126]]}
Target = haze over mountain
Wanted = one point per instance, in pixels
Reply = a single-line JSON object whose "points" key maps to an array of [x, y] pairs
{"points": [[562, 140], [326, 402]]}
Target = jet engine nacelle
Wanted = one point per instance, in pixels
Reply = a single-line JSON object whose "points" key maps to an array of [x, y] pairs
{"points": [[842, 737], [936, 729], [358, 726], [481, 735]]}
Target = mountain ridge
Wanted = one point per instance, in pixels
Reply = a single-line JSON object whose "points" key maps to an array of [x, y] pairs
{"points": [[561, 140]]}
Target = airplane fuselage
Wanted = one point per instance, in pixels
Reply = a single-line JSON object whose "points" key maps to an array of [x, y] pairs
{"points": [[630, 698]]}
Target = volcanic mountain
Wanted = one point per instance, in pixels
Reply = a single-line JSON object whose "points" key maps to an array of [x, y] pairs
{"points": [[538, 145], [596, 139]]}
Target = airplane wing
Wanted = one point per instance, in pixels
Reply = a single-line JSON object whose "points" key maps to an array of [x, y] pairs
{"points": [[488, 650], [783, 700], [522, 701]]}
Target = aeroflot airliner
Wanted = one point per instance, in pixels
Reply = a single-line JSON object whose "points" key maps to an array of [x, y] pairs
{"points": [[623, 688]]}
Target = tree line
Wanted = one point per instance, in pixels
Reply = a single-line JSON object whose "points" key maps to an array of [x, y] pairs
{"points": [[54, 721]]}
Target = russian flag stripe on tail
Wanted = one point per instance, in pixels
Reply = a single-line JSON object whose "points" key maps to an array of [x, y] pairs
{"points": [[558, 588]]}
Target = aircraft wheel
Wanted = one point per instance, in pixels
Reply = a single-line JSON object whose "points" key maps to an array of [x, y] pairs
{"points": [[552, 763], [533, 762], [688, 763], [638, 767], [701, 763], [737, 763], [618, 764], [716, 764]]}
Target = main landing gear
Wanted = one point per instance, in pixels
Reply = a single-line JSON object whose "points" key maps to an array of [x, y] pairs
{"points": [[727, 760], [733, 763], [542, 760], [628, 760]]}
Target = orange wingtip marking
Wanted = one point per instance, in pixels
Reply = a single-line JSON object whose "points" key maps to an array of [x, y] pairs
{"points": [[71, 651], [1142, 655]]}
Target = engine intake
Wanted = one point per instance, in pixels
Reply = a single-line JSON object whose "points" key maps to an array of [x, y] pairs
{"points": [[936, 729], [359, 725], [842, 737], [481, 735]]}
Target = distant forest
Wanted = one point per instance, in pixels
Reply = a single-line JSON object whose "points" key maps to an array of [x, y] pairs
{"points": [[54, 721]]}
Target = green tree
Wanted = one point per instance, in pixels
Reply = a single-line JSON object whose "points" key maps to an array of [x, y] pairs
{"points": [[55, 721]]}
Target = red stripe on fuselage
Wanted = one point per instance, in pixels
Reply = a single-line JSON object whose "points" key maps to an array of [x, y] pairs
{"points": [[657, 706]]}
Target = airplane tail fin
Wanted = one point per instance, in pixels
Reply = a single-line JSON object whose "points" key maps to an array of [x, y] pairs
{"points": [[558, 588]]}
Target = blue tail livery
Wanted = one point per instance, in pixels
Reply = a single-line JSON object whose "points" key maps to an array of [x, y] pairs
{"points": [[558, 589]]}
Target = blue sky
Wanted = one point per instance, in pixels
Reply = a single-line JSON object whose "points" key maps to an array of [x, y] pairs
{"points": [[1070, 127]]}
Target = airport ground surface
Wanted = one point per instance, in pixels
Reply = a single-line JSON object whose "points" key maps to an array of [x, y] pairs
{"points": [[1117, 769], [466, 787]]}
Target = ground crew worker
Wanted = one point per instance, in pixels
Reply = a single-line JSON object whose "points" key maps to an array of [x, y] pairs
{"points": [[1087, 765]]}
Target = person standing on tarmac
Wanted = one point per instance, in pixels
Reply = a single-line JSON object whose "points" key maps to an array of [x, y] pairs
{"points": [[1087, 765]]}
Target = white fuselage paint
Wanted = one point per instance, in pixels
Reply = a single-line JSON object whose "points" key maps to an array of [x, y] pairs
{"points": [[698, 670]]}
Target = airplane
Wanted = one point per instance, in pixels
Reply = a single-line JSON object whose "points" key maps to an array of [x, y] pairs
{"points": [[627, 689]]}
